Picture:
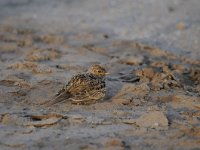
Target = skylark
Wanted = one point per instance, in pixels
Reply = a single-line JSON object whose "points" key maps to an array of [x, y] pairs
{"points": [[84, 88]]}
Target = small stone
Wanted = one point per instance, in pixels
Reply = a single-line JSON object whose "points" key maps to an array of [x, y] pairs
{"points": [[121, 101], [155, 119], [114, 142], [132, 60], [129, 121], [180, 26], [8, 119], [42, 123], [77, 118]]}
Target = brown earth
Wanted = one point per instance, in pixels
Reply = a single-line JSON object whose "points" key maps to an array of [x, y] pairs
{"points": [[153, 91]]}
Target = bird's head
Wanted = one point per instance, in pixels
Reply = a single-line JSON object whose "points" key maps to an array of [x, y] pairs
{"points": [[98, 70]]}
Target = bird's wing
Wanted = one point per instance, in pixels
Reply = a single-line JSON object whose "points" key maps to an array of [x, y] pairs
{"points": [[87, 88], [84, 83], [62, 95], [76, 86], [89, 97]]}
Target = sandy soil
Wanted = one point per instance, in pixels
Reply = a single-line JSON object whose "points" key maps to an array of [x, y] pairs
{"points": [[151, 50]]}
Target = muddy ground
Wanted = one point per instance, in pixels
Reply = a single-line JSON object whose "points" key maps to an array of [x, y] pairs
{"points": [[150, 48]]}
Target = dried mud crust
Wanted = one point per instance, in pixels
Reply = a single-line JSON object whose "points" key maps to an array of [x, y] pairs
{"points": [[153, 96]]}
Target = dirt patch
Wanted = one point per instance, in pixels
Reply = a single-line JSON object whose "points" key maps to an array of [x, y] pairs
{"points": [[153, 93]]}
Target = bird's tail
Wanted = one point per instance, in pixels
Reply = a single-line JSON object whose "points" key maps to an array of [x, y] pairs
{"points": [[58, 98]]}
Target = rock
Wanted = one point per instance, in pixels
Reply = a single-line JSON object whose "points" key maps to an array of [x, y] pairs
{"points": [[129, 121], [155, 119], [121, 101], [146, 72], [180, 26], [76, 118], [96, 121], [42, 123], [132, 60], [114, 142], [8, 119], [111, 143], [130, 78], [119, 112]]}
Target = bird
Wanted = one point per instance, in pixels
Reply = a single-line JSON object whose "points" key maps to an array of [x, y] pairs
{"points": [[84, 88]]}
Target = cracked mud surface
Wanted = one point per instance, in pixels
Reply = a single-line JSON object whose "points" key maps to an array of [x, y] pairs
{"points": [[153, 90]]}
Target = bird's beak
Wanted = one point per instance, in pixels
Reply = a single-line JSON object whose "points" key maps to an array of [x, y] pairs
{"points": [[107, 73]]}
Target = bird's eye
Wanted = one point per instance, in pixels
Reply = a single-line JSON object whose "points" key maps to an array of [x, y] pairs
{"points": [[99, 71]]}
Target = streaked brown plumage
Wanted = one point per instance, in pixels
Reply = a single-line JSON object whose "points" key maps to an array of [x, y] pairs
{"points": [[84, 88]]}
